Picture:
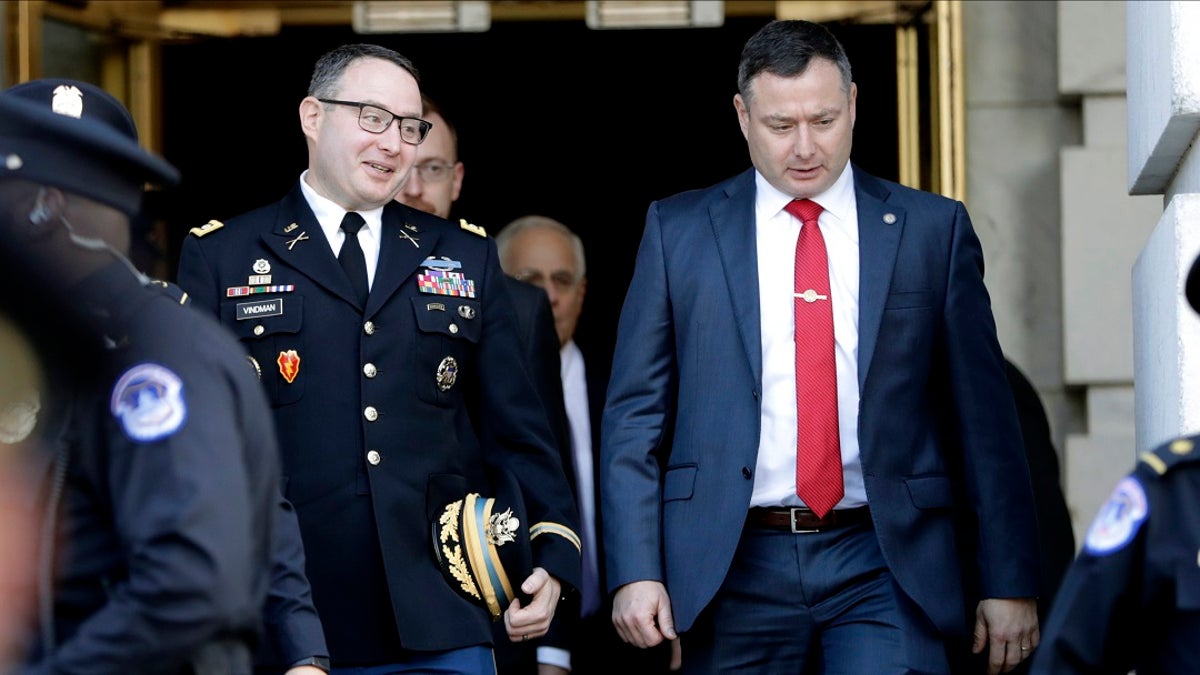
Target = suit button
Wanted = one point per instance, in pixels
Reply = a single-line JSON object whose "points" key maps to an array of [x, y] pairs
{"points": [[747, 473], [369, 328], [373, 458], [453, 329], [258, 330], [371, 413], [369, 370]]}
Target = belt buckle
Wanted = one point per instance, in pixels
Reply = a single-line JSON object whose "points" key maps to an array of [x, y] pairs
{"points": [[800, 530]]}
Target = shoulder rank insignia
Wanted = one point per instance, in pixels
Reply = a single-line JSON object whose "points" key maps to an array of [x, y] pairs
{"points": [[207, 228], [1164, 457], [475, 229]]}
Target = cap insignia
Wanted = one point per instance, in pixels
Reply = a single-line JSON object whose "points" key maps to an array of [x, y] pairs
{"points": [[68, 100]]}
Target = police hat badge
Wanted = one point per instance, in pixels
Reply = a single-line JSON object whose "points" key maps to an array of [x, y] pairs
{"points": [[482, 546], [78, 137]]}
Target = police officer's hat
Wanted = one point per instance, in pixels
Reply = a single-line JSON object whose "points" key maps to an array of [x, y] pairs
{"points": [[1192, 287], [482, 545], [76, 136]]}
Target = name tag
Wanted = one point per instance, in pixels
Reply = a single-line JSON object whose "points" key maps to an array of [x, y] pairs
{"points": [[255, 310]]}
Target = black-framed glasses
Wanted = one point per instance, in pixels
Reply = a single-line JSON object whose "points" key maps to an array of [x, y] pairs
{"points": [[376, 120]]}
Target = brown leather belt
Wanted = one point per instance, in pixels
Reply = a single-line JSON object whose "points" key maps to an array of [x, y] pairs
{"points": [[801, 520]]}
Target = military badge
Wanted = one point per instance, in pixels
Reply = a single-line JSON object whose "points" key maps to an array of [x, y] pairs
{"points": [[447, 373], [442, 263], [474, 229], [289, 365], [148, 399], [257, 368], [466, 311], [262, 266], [441, 282], [239, 291], [207, 228]]}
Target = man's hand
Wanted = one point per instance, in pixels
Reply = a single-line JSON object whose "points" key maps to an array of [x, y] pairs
{"points": [[547, 669], [642, 614], [527, 623], [1010, 627]]}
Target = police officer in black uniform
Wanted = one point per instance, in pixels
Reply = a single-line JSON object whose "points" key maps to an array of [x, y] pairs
{"points": [[159, 463], [1131, 599]]}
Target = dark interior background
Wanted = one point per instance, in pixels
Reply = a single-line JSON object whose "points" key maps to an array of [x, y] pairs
{"points": [[585, 126]]}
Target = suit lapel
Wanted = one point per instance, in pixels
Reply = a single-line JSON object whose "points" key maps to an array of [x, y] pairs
{"points": [[878, 243], [733, 228], [297, 239], [404, 245]]}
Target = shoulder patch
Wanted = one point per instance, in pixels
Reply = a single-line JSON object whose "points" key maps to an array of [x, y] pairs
{"points": [[1119, 519], [148, 399], [475, 229], [207, 228], [1169, 455]]}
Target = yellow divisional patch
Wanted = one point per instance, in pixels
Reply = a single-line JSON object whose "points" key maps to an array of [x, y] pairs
{"points": [[462, 222], [207, 228]]}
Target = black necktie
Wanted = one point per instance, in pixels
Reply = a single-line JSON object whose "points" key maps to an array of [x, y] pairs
{"points": [[351, 256]]}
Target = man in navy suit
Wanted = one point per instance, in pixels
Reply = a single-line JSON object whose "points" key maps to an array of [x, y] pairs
{"points": [[711, 528], [383, 336]]}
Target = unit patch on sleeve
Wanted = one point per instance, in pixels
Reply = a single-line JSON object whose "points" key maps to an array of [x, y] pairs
{"points": [[148, 399], [1118, 520]]}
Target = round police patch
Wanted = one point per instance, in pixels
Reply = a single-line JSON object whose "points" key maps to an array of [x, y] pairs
{"points": [[1119, 519], [148, 399]]}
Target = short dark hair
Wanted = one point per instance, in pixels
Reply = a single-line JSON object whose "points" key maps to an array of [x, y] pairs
{"points": [[329, 68], [786, 48], [430, 107]]}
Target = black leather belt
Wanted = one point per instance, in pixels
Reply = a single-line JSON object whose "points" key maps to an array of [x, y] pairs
{"points": [[801, 520]]}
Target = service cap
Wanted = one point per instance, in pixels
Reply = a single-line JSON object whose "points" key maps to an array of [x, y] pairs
{"points": [[76, 136]]}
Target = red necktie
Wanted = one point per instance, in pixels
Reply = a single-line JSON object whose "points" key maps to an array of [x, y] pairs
{"points": [[818, 453]]}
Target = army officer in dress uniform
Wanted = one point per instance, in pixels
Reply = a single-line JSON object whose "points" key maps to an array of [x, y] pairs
{"points": [[1131, 599], [158, 462], [385, 343]]}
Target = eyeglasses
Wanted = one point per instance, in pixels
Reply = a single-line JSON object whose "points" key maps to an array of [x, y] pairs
{"points": [[435, 172], [562, 280], [376, 120]]}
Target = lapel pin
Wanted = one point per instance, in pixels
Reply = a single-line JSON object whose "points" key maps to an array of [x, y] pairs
{"points": [[299, 238], [405, 235], [289, 228]]}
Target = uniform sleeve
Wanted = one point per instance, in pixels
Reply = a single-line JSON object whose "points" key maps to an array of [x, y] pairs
{"points": [[1093, 618], [293, 629], [182, 505], [523, 442]]}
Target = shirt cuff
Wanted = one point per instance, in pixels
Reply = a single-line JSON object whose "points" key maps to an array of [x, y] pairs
{"points": [[554, 656]]}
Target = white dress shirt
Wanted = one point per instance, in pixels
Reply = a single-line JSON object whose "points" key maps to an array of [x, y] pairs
{"points": [[330, 215], [776, 233]]}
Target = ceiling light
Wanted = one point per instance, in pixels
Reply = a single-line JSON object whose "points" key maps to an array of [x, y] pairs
{"points": [[421, 16], [655, 13]]}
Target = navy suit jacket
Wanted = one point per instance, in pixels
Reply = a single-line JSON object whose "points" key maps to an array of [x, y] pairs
{"points": [[375, 433], [940, 443]]}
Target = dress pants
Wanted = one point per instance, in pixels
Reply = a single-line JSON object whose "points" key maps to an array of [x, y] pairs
{"points": [[820, 603]]}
